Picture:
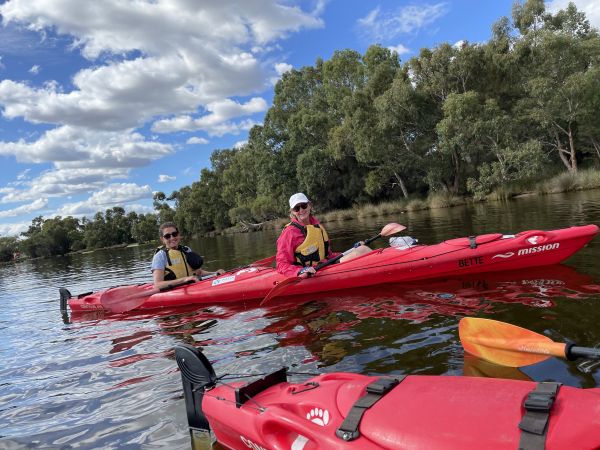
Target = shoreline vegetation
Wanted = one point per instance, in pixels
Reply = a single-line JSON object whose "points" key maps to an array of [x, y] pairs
{"points": [[368, 135], [588, 179], [563, 183]]}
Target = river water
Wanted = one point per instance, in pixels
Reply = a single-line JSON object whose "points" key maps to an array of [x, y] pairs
{"points": [[111, 381]]}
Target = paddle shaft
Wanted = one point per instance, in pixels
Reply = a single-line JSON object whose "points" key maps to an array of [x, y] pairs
{"points": [[341, 255], [573, 352]]}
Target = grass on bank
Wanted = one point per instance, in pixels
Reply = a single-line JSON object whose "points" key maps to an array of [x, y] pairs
{"points": [[564, 182]]}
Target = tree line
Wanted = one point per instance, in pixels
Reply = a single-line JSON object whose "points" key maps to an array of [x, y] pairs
{"points": [[58, 235], [465, 119]]}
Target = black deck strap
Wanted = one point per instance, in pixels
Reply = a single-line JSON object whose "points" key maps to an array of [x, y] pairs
{"points": [[472, 242], [534, 424], [348, 430]]}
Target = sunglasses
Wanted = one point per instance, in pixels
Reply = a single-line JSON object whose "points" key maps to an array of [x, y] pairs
{"points": [[170, 235], [300, 206]]}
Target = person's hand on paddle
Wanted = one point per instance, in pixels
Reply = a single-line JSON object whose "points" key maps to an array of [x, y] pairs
{"points": [[306, 272], [185, 280], [203, 274]]}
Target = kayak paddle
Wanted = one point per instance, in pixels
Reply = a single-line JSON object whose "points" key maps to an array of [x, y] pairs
{"points": [[388, 230], [262, 262], [126, 298], [513, 346]]}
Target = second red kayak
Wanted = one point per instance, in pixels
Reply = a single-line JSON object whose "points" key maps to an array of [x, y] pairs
{"points": [[451, 258], [352, 411]]}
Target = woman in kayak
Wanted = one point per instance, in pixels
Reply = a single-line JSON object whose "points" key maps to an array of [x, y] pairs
{"points": [[303, 243], [173, 261]]}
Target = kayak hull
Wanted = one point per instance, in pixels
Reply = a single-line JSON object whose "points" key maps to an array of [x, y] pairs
{"points": [[452, 258], [420, 412]]}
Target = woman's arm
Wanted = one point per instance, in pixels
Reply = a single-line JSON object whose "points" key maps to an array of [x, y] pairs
{"points": [[158, 276], [159, 262], [203, 273], [285, 258]]}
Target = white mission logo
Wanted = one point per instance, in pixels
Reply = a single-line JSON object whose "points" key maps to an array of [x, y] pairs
{"points": [[539, 248], [528, 251]]}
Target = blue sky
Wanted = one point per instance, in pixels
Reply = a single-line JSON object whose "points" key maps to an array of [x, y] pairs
{"points": [[103, 103]]}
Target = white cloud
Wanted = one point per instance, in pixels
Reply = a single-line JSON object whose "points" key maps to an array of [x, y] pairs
{"points": [[400, 49], [591, 8], [23, 174], [79, 147], [185, 57], [385, 26], [240, 144], [165, 178], [25, 209], [14, 229], [217, 122], [197, 140], [116, 194], [168, 61], [62, 183], [282, 68]]}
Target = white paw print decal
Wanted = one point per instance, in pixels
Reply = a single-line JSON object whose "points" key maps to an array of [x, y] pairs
{"points": [[318, 416]]}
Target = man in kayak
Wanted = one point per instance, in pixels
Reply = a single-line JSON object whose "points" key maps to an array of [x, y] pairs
{"points": [[173, 261], [303, 243]]}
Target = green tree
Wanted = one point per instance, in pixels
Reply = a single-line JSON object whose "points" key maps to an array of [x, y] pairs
{"points": [[560, 54], [145, 228], [8, 247]]}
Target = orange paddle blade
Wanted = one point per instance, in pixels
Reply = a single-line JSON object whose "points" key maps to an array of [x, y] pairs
{"points": [[125, 298], [506, 344], [392, 228], [280, 287]]}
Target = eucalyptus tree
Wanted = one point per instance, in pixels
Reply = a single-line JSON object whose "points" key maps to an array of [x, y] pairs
{"points": [[560, 53], [402, 135], [357, 140], [9, 245], [448, 76], [145, 228], [55, 236], [163, 210]]}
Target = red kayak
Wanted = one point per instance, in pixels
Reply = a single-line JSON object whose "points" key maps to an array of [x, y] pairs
{"points": [[413, 301], [451, 258], [351, 411]]}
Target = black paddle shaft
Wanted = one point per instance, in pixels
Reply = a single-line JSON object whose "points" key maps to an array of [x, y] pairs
{"points": [[341, 255], [574, 352]]}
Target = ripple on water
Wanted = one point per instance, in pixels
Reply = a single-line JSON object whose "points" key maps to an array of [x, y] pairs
{"points": [[110, 382]]}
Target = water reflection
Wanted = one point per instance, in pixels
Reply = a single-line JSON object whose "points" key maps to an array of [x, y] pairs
{"points": [[109, 381]]}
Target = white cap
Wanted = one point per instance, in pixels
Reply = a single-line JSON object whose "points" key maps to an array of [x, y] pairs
{"points": [[298, 198]]}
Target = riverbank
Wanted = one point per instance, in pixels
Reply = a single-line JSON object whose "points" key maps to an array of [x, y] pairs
{"points": [[564, 182]]}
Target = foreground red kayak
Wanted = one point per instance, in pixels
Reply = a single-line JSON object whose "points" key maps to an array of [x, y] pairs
{"points": [[451, 258], [351, 411]]}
